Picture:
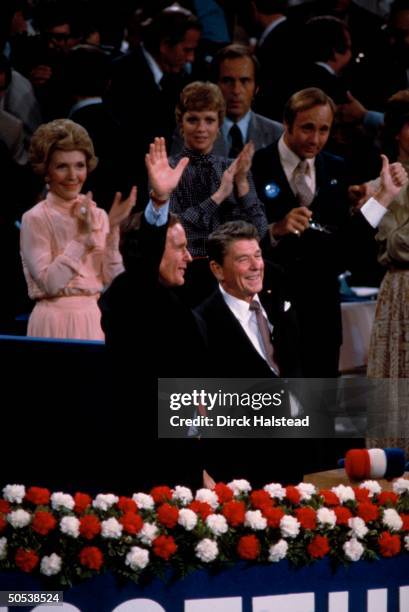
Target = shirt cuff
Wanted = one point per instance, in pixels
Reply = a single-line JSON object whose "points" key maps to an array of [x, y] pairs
{"points": [[373, 212], [156, 216]]}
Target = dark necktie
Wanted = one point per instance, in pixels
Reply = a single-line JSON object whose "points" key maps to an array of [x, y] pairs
{"points": [[236, 140], [304, 193], [265, 336]]}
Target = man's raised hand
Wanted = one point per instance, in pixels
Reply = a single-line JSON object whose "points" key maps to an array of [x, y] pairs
{"points": [[163, 178]]}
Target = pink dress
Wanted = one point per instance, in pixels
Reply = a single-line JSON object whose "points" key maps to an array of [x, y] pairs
{"points": [[63, 276]]}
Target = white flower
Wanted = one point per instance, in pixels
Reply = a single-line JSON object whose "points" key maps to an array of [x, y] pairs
{"points": [[290, 527], [239, 486], [306, 490], [372, 486], [137, 558], [275, 490], [19, 518], [62, 500], [207, 550], [217, 524], [353, 549], [401, 485], [358, 527], [143, 501], [14, 493], [51, 565], [326, 517], [255, 520], [111, 528], [392, 519], [70, 525], [208, 496], [278, 551], [148, 533], [344, 493], [187, 519], [3, 548], [104, 501], [182, 494], [406, 540]]}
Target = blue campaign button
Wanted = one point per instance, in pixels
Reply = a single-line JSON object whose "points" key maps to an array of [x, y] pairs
{"points": [[271, 190], [334, 181]]}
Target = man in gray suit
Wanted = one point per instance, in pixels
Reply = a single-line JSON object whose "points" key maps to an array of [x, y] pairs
{"points": [[235, 70]]}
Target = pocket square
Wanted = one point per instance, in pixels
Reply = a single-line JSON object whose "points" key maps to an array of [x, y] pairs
{"points": [[287, 306]]}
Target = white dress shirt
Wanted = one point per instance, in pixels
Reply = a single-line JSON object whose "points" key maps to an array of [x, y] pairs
{"points": [[247, 319]]}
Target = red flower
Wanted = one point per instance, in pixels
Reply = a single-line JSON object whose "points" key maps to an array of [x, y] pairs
{"points": [[90, 526], [223, 492], [292, 494], [318, 547], [164, 547], [405, 520], [131, 522], [168, 515], [203, 509], [3, 524], [4, 506], [389, 545], [126, 504], [26, 560], [161, 494], [387, 497], [43, 522], [343, 515], [82, 502], [38, 496], [307, 517], [368, 512], [234, 512], [273, 516], [91, 557], [361, 495], [248, 547], [330, 498], [260, 499]]}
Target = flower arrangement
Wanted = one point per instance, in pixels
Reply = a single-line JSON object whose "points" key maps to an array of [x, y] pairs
{"points": [[69, 538]]}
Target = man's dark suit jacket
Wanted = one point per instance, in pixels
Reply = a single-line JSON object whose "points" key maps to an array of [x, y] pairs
{"points": [[149, 334], [231, 354], [314, 75], [279, 56], [313, 261], [144, 109]]}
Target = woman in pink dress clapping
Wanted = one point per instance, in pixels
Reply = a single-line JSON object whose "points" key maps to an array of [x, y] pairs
{"points": [[69, 246]]}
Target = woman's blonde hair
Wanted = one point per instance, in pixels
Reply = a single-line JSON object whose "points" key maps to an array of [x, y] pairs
{"points": [[59, 135], [200, 96]]}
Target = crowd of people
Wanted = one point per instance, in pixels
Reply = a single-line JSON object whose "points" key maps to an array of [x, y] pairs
{"points": [[269, 147]]}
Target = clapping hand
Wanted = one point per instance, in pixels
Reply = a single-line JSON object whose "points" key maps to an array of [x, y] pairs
{"points": [[393, 178], [243, 166], [83, 210], [162, 177], [121, 209]]}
